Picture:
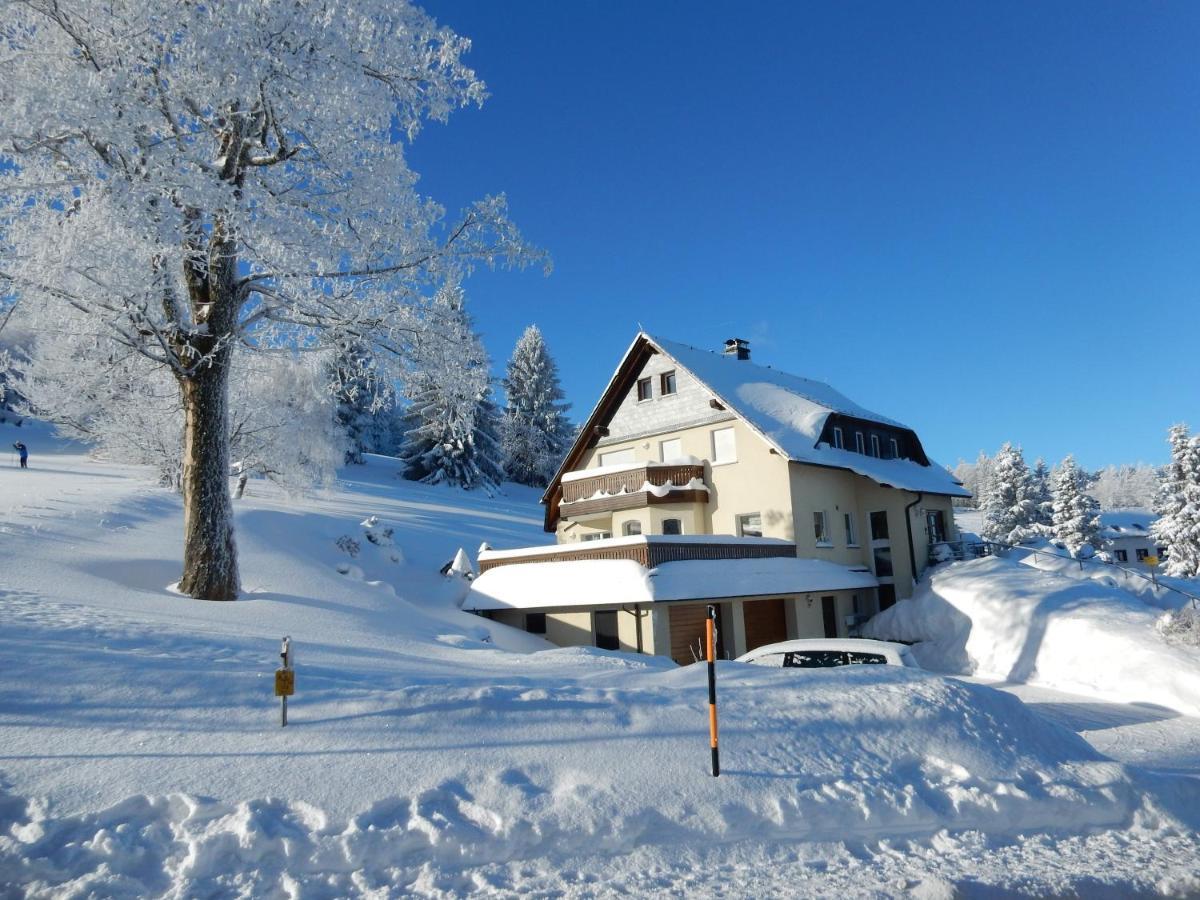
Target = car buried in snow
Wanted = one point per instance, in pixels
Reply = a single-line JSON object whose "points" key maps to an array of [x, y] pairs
{"points": [[824, 653]]}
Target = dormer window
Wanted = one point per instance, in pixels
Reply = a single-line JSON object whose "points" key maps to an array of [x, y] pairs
{"points": [[875, 445], [644, 389], [859, 445], [895, 444], [838, 441], [667, 383]]}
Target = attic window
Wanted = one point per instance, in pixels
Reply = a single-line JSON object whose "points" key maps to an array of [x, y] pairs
{"points": [[667, 383], [895, 448], [859, 446], [838, 441], [644, 389], [875, 445]]}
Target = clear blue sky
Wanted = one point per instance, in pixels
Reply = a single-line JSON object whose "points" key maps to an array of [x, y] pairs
{"points": [[980, 219]]}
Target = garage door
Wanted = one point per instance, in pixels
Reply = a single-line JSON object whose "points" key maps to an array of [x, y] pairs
{"points": [[688, 633], [766, 622]]}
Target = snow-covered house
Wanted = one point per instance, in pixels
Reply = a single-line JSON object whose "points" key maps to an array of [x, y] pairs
{"points": [[701, 477], [1127, 538]]}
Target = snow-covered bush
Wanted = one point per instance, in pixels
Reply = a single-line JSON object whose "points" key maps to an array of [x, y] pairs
{"points": [[1181, 626]]}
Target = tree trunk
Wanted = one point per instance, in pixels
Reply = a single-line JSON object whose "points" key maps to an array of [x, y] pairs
{"points": [[210, 569]]}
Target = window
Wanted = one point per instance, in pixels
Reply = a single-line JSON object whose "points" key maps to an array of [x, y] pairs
{"points": [[535, 623], [821, 529], [851, 533], [859, 446], [1122, 556], [895, 445], [666, 383], [883, 562], [750, 525], [631, 528], [814, 659], [645, 391], [1141, 553], [837, 439], [672, 526], [617, 457], [597, 536], [875, 445], [879, 526], [605, 623], [724, 446], [672, 449], [935, 525], [887, 596]]}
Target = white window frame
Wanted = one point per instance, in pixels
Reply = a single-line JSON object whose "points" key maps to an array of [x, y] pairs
{"points": [[860, 445], [742, 521], [839, 441], [876, 450], [662, 384], [716, 461], [851, 529], [821, 536], [596, 536], [662, 449], [895, 444], [638, 389]]}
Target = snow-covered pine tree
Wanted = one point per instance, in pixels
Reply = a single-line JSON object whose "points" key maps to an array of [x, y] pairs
{"points": [[1178, 505], [1041, 495], [196, 177], [452, 424], [365, 402], [1009, 512], [534, 432], [1076, 520]]}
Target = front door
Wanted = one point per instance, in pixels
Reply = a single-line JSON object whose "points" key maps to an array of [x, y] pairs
{"points": [[829, 611]]}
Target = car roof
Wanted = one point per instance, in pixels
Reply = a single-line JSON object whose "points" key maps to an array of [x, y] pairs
{"points": [[850, 645]]}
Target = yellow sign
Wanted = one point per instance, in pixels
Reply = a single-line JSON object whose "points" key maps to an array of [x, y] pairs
{"points": [[285, 682], [1151, 560]]}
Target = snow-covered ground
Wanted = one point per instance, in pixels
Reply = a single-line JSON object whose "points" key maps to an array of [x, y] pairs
{"points": [[432, 752]]}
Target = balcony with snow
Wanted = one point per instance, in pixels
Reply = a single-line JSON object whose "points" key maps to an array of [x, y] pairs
{"points": [[591, 494]]}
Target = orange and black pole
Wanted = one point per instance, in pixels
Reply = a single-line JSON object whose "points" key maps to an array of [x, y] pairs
{"points": [[710, 629]]}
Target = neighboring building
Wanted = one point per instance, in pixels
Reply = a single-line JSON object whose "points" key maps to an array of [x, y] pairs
{"points": [[1127, 538], [703, 478]]}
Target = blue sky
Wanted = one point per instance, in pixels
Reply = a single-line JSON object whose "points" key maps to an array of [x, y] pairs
{"points": [[980, 219]]}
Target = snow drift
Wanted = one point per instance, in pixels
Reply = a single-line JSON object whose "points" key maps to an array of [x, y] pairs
{"points": [[999, 618]]}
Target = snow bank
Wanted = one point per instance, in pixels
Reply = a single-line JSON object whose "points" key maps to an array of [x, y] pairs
{"points": [[999, 618]]}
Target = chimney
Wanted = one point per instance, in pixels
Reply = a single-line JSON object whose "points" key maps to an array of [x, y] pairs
{"points": [[738, 348]]}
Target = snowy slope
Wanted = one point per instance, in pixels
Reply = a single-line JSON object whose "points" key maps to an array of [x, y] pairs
{"points": [[432, 752], [1000, 618]]}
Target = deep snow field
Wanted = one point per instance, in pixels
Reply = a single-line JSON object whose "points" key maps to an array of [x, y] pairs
{"points": [[430, 752]]}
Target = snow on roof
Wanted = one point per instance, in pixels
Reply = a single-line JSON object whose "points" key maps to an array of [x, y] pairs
{"points": [[791, 412], [630, 541], [623, 582], [1126, 523]]}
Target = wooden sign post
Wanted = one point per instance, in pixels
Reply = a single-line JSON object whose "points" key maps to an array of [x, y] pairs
{"points": [[285, 679]]}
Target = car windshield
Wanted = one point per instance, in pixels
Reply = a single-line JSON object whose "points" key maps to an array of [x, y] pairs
{"points": [[870, 659]]}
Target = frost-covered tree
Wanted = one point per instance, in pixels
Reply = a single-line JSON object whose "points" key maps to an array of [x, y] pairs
{"points": [[1178, 505], [1126, 487], [1041, 494], [366, 403], [1010, 515], [974, 477], [452, 424], [1076, 513], [200, 176], [535, 433]]}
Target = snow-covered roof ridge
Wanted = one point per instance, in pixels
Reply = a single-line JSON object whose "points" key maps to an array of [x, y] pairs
{"points": [[790, 413]]}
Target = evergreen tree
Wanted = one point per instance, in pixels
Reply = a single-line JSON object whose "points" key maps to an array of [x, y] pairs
{"points": [[1076, 513], [364, 403], [535, 433], [1040, 494], [1009, 510], [1178, 505], [451, 425]]}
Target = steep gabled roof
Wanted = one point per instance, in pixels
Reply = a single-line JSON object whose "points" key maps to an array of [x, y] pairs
{"points": [[789, 412]]}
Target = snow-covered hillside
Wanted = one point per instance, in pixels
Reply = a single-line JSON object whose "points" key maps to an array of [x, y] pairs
{"points": [[432, 752]]}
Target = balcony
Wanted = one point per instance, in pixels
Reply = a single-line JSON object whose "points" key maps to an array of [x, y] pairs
{"points": [[631, 487], [647, 550]]}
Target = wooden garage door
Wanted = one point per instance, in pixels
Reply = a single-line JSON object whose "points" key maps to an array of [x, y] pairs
{"points": [[766, 622], [687, 632]]}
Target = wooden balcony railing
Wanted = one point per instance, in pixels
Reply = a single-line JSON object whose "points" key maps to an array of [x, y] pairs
{"points": [[631, 481]]}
